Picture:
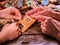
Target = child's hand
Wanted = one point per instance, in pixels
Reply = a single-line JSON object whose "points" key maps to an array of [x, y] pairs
{"points": [[10, 31], [10, 12]]}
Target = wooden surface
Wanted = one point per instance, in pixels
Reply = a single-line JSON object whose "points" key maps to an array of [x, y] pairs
{"points": [[33, 36]]}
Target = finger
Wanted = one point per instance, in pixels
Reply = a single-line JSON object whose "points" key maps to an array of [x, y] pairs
{"points": [[44, 30], [15, 11], [44, 12], [18, 33], [36, 14], [44, 27], [30, 12], [18, 15], [41, 18], [56, 24], [35, 10]]}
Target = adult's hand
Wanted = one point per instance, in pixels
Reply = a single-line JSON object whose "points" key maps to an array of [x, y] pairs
{"points": [[10, 13], [45, 12], [49, 26]]}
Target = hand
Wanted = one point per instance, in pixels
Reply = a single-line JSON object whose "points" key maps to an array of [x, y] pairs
{"points": [[10, 12], [10, 31], [45, 12], [49, 26]]}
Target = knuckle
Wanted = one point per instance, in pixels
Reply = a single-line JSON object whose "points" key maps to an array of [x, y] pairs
{"points": [[49, 18]]}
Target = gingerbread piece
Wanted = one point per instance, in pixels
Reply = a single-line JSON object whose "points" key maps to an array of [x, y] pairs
{"points": [[26, 22]]}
